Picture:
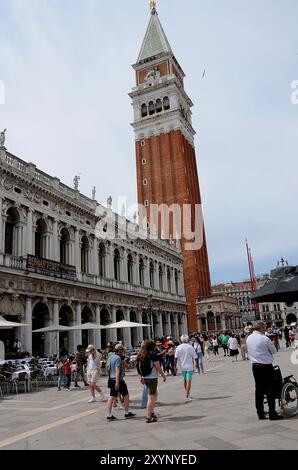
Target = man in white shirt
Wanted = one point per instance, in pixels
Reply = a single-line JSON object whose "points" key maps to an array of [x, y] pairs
{"points": [[260, 352], [188, 357]]}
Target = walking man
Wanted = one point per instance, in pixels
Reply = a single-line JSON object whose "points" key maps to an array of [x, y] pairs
{"points": [[80, 362], [260, 351], [188, 359], [117, 383]]}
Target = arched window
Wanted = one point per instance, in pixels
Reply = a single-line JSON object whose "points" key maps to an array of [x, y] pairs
{"points": [[141, 271], [151, 272], [85, 255], [101, 260], [166, 103], [40, 239], [11, 231], [117, 265], [160, 275], [158, 106], [64, 246], [129, 269], [169, 279], [151, 108], [144, 110]]}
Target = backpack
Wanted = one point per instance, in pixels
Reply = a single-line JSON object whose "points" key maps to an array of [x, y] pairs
{"points": [[144, 368]]}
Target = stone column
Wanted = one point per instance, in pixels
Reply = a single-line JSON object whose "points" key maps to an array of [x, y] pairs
{"points": [[28, 329], [2, 232], [146, 272], [136, 274], [173, 287], [56, 322], [223, 323], [215, 323], [123, 267], [156, 276], [185, 325], [110, 262], [77, 259], [176, 327], [55, 244], [112, 334], [78, 322], [159, 317], [95, 266], [29, 233], [127, 331], [140, 329], [180, 283], [97, 333]]}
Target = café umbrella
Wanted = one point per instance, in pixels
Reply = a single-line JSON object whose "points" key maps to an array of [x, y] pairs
{"points": [[125, 324], [10, 324]]}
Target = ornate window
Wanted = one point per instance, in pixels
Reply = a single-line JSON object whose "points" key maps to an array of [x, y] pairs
{"points": [[160, 274], [166, 103], [158, 106], [40, 239], [141, 271], [129, 269], [11, 231], [151, 108], [151, 272], [64, 246], [101, 260], [85, 255], [144, 110], [117, 265]]}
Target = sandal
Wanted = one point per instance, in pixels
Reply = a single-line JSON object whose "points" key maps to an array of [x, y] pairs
{"points": [[151, 420], [153, 415]]}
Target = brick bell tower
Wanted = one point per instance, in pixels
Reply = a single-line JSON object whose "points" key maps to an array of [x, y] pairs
{"points": [[165, 152]]}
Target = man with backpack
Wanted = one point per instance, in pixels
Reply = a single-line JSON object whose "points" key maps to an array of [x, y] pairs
{"points": [[117, 383]]}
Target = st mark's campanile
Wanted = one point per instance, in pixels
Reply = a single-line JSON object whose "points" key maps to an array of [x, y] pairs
{"points": [[165, 152]]}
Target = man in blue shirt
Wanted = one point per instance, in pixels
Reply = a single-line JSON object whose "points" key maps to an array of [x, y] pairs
{"points": [[117, 383]]}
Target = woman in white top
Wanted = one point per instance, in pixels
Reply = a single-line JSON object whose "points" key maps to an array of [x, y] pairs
{"points": [[93, 372], [233, 346]]}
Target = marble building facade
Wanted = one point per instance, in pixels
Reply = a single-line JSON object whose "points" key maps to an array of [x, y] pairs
{"points": [[55, 270]]}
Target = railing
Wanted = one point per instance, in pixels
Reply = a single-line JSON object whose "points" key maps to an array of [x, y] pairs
{"points": [[13, 262]]}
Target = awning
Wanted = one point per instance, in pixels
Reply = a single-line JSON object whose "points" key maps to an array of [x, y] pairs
{"points": [[11, 306], [282, 286]]}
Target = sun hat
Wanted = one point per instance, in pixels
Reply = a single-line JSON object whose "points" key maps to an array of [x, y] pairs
{"points": [[90, 348]]}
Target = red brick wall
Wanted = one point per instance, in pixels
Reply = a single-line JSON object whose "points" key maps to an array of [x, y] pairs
{"points": [[163, 68], [171, 171]]}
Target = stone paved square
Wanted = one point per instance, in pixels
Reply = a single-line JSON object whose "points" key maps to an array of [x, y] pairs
{"points": [[221, 416]]}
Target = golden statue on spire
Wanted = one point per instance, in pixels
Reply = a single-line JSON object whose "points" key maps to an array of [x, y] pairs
{"points": [[153, 5]]}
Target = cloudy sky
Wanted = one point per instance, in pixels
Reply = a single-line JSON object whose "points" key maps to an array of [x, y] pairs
{"points": [[66, 68]]}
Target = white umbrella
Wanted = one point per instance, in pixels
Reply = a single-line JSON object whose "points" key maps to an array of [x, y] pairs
{"points": [[53, 328], [125, 324], [87, 326], [10, 324]]}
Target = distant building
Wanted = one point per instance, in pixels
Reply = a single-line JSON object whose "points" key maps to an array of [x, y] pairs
{"points": [[278, 313]]}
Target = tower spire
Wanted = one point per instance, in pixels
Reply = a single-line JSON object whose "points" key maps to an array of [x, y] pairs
{"points": [[153, 8]]}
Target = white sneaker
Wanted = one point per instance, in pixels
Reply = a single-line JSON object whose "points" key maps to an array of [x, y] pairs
{"points": [[92, 400], [188, 399], [101, 397]]}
